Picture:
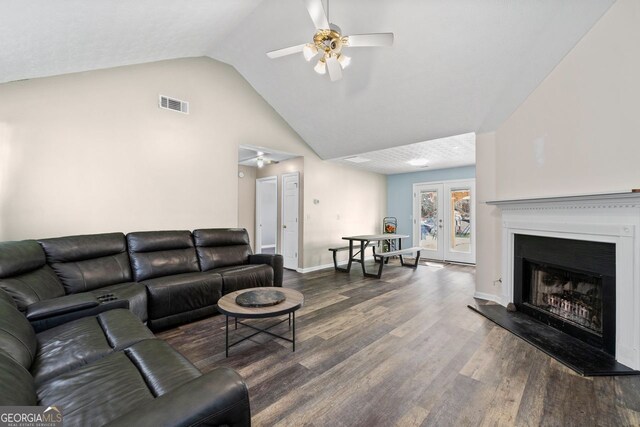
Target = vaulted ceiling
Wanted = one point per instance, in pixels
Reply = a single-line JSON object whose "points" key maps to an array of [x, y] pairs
{"points": [[456, 66]]}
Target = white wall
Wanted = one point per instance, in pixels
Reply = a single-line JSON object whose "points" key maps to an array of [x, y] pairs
{"points": [[488, 231], [578, 132], [91, 152], [247, 201]]}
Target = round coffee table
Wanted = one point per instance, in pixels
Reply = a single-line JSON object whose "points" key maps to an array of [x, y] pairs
{"points": [[227, 306]]}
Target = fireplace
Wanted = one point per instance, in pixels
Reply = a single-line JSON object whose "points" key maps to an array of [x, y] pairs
{"points": [[609, 226], [569, 285]]}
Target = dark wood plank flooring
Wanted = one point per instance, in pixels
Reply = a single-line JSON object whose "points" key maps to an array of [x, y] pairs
{"points": [[405, 351]]}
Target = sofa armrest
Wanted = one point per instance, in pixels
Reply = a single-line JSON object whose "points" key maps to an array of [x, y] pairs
{"points": [[49, 313], [219, 397], [59, 306], [275, 261]]}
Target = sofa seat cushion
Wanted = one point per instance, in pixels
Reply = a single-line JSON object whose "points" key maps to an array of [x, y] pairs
{"points": [[96, 393], [163, 368], [182, 292], [72, 345], [245, 276], [133, 292], [106, 389]]}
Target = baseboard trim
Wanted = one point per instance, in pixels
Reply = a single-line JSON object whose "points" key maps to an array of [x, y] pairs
{"points": [[323, 266], [488, 297]]}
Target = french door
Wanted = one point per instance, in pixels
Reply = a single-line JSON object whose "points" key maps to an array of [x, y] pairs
{"points": [[444, 220]]}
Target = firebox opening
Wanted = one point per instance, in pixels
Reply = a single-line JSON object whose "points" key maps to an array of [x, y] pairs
{"points": [[568, 295], [569, 285]]}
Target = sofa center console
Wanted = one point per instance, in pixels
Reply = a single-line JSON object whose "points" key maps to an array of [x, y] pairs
{"points": [[47, 314]]}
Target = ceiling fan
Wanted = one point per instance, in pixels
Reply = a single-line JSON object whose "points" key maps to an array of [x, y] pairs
{"points": [[328, 42]]}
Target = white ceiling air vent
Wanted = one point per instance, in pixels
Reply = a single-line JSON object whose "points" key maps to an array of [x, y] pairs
{"points": [[174, 104]]}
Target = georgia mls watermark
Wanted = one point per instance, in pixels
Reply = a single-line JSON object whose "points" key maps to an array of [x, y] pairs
{"points": [[30, 416]]}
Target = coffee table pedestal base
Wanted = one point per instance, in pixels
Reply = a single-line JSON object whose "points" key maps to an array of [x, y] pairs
{"points": [[292, 326]]}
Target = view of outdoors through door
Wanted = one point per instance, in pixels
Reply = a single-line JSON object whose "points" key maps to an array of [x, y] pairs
{"points": [[443, 220], [429, 219], [460, 221]]}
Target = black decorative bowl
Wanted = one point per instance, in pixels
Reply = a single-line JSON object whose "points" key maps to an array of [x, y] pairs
{"points": [[260, 298]]}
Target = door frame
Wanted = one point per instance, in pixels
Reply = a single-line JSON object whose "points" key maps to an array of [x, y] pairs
{"points": [[258, 238], [297, 175], [443, 208]]}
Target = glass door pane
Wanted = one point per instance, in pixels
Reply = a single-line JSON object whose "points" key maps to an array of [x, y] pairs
{"points": [[429, 219], [460, 220], [460, 245]]}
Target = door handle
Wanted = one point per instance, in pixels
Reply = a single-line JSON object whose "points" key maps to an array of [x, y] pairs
{"points": [[284, 226]]}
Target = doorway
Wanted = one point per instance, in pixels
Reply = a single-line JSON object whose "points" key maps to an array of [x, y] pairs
{"points": [[290, 202], [444, 220], [266, 215]]}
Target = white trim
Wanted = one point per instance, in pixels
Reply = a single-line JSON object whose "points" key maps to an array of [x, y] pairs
{"points": [[488, 297], [282, 177], [268, 246], [323, 266], [599, 218]]}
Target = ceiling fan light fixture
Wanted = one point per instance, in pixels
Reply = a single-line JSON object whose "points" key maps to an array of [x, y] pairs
{"points": [[260, 162], [321, 66], [309, 51], [344, 60]]}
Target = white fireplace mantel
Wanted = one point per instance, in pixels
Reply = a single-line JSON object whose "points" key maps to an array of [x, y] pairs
{"points": [[612, 218]]}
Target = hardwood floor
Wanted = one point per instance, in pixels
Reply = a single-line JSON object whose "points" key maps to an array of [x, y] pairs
{"points": [[406, 351]]}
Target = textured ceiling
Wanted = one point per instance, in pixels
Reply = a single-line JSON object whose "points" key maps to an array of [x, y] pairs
{"points": [[450, 152], [47, 37], [456, 66]]}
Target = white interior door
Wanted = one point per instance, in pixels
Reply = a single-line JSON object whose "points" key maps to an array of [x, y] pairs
{"points": [[266, 215], [444, 220], [290, 196], [428, 220]]}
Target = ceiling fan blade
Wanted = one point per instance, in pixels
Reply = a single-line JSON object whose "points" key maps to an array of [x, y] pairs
{"points": [[286, 51], [334, 68], [376, 39], [317, 13]]}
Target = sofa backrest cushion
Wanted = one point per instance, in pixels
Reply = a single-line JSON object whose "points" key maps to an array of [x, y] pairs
{"points": [[18, 388], [24, 274], [17, 337], [221, 247], [88, 262], [161, 253]]}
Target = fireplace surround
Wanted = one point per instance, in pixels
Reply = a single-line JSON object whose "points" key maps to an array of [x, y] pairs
{"points": [[613, 219]]}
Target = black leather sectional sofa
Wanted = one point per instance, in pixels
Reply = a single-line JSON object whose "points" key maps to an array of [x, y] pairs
{"points": [[72, 333], [165, 278]]}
